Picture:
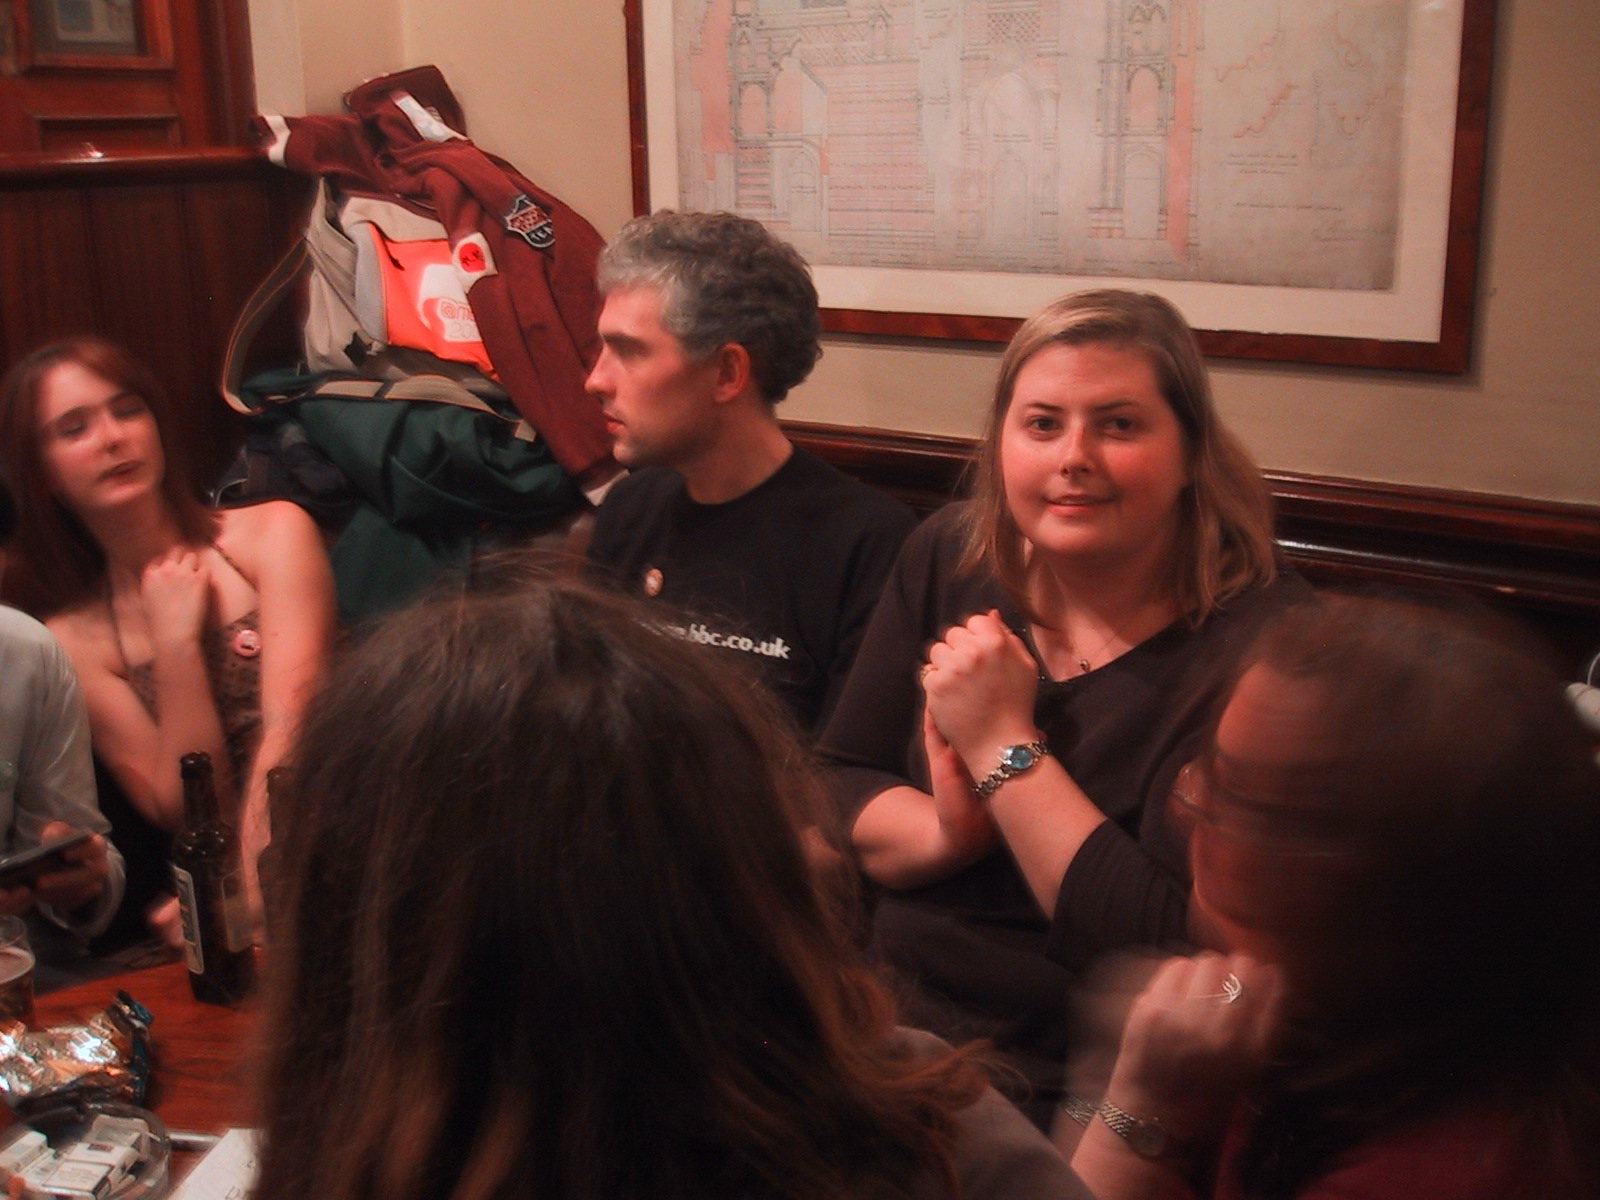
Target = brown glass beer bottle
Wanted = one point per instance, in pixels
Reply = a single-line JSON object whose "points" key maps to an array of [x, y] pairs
{"points": [[207, 868]]}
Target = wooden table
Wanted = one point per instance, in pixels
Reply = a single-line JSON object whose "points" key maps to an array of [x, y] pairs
{"points": [[201, 1053]]}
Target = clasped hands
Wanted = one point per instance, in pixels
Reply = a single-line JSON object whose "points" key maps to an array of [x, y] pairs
{"points": [[979, 684]]}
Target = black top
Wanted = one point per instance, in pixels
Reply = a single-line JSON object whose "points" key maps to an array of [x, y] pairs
{"points": [[983, 960], [783, 577]]}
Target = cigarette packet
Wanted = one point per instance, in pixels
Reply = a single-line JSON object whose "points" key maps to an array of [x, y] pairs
{"points": [[39, 1170], [125, 1131], [120, 1159], [78, 1180], [22, 1150]]}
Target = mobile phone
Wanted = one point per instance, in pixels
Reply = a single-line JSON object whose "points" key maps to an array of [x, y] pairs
{"points": [[27, 865]]}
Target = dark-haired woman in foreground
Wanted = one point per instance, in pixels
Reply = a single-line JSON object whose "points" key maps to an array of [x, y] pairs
{"points": [[546, 928], [1397, 827]]}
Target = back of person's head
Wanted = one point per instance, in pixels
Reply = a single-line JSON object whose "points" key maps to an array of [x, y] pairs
{"points": [[57, 547], [1225, 543], [723, 278], [546, 927], [1429, 878]]}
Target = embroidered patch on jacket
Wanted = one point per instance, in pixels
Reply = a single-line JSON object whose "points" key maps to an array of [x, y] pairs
{"points": [[530, 222]]}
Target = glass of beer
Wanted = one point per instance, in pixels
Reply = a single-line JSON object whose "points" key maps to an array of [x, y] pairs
{"points": [[16, 971]]}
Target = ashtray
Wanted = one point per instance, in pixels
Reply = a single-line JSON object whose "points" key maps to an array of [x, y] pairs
{"points": [[96, 1132]]}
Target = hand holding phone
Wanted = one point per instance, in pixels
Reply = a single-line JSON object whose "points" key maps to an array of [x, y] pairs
{"points": [[24, 867]]}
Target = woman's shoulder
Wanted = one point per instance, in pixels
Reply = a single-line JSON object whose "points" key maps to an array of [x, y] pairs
{"points": [[263, 534], [931, 570], [948, 522], [939, 542], [1260, 602], [85, 633], [1195, 659], [271, 518]]}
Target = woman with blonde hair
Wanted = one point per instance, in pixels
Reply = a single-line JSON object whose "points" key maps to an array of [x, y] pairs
{"points": [[191, 629], [579, 950], [1040, 665]]}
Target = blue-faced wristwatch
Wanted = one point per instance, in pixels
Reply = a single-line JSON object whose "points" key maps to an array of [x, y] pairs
{"points": [[1014, 760]]}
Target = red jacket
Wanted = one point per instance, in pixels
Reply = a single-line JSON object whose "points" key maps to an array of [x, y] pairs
{"points": [[538, 311]]}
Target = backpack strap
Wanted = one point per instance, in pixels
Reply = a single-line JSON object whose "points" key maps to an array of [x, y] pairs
{"points": [[269, 293], [430, 389]]}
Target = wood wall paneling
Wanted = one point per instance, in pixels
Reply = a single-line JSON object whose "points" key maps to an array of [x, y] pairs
{"points": [[46, 271], [192, 69], [146, 298], [229, 70], [69, 134], [158, 253]]}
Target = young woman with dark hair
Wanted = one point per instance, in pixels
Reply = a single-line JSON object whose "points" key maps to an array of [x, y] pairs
{"points": [[191, 629], [545, 928], [1082, 611], [1396, 831]]}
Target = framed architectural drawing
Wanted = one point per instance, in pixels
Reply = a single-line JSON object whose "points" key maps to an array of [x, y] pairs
{"points": [[1301, 177]]}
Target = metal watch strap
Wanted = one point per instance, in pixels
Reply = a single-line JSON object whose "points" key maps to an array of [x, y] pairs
{"points": [[1147, 1139], [1014, 760], [1080, 1110]]}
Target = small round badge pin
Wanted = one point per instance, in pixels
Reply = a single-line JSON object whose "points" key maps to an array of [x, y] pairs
{"points": [[653, 581]]}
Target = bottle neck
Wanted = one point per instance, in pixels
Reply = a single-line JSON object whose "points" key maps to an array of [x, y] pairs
{"points": [[200, 801]]}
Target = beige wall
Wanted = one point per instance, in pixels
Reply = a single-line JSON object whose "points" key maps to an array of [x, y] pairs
{"points": [[544, 84], [307, 54]]}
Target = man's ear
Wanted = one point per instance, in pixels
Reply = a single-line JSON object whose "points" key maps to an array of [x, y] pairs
{"points": [[733, 372]]}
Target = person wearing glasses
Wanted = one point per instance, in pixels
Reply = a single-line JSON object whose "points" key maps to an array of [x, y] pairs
{"points": [[1396, 826]]}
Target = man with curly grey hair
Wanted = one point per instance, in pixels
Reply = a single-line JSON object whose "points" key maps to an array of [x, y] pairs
{"points": [[758, 547]]}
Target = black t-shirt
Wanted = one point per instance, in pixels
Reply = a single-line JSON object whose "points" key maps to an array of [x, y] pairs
{"points": [[782, 578], [981, 958]]}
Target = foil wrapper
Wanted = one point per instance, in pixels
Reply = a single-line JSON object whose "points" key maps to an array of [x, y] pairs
{"points": [[105, 1058]]}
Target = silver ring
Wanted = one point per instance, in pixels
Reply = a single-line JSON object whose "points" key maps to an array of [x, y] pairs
{"points": [[1232, 989]]}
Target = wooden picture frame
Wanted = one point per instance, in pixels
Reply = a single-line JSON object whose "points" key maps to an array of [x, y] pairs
{"points": [[78, 35], [1422, 321]]}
